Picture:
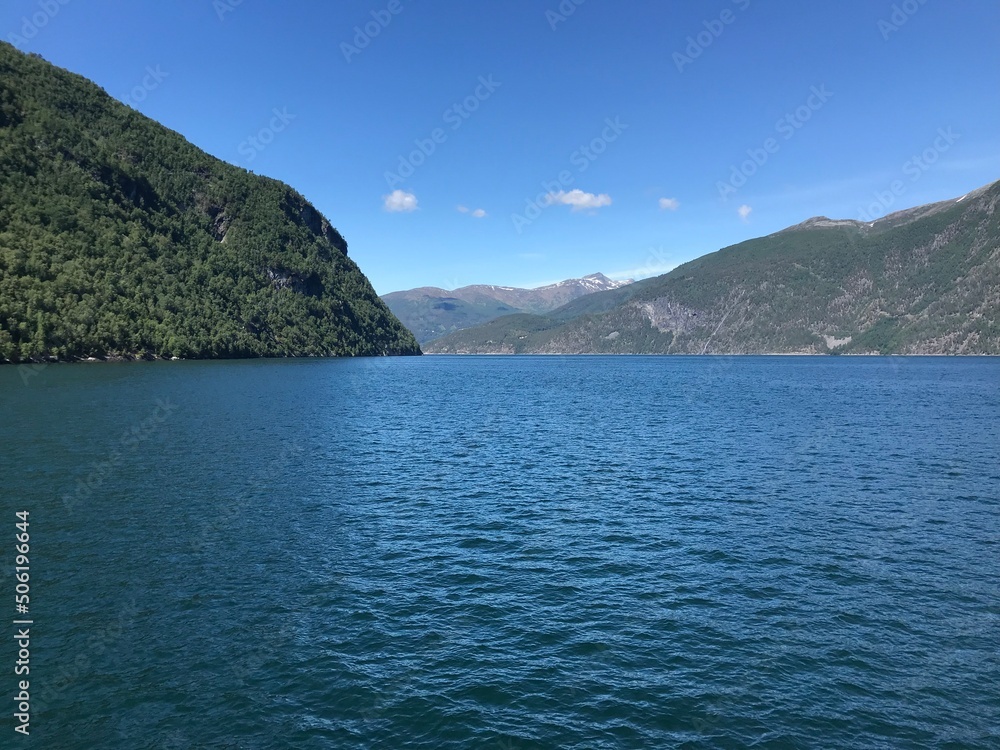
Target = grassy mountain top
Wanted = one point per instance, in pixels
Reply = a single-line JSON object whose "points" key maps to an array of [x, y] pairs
{"points": [[120, 238], [921, 281]]}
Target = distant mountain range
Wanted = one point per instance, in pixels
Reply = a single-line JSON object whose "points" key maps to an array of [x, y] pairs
{"points": [[430, 312], [921, 281]]}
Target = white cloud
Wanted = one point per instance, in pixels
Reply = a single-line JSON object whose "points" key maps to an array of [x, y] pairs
{"points": [[669, 204], [578, 199], [399, 201], [462, 209], [479, 213], [744, 211]]}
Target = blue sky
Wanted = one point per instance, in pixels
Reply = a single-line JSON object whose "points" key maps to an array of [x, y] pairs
{"points": [[578, 136]]}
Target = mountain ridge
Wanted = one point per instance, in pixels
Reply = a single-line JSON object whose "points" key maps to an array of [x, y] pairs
{"points": [[924, 280], [431, 312], [890, 220]]}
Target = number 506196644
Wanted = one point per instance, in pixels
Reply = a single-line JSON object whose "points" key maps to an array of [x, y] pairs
{"points": [[22, 573]]}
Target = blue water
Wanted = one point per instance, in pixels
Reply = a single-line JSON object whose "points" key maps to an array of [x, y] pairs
{"points": [[536, 552]]}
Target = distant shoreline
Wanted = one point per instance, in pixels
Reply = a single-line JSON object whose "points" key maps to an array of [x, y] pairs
{"points": [[691, 354], [120, 359], [40, 364]]}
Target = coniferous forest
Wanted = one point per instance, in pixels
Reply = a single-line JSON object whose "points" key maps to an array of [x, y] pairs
{"points": [[119, 238]]}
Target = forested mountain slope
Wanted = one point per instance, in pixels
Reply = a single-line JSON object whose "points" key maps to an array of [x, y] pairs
{"points": [[921, 281], [120, 238]]}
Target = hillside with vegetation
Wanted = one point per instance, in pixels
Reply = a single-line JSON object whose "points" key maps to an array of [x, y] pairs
{"points": [[921, 281], [119, 238], [431, 312]]}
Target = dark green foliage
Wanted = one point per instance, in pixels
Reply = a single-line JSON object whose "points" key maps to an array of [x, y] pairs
{"points": [[120, 238]]}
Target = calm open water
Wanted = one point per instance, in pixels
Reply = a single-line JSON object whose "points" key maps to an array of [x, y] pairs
{"points": [[507, 553]]}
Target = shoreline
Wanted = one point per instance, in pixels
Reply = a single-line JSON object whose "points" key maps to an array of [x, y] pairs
{"points": [[38, 364]]}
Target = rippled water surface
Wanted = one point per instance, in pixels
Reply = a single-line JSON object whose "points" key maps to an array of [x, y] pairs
{"points": [[508, 552]]}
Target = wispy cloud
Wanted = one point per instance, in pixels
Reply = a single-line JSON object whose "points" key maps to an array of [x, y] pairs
{"points": [[399, 201], [531, 256], [578, 200], [478, 213], [971, 164], [744, 211], [817, 196], [642, 272], [538, 284], [669, 204]]}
